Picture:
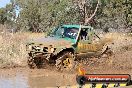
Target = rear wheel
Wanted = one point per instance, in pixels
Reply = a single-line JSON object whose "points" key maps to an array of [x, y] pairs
{"points": [[66, 62]]}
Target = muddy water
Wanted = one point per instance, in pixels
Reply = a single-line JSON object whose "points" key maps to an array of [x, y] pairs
{"points": [[39, 78], [14, 82], [43, 82], [34, 79], [21, 81]]}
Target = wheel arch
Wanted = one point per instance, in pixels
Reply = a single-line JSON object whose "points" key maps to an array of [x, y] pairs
{"points": [[65, 50]]}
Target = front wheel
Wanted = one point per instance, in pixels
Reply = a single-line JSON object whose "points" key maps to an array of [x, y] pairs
{"points": [[37, 62], [31, 63], [65, 62]]}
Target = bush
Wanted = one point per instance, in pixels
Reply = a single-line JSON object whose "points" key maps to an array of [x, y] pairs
{"points": [[12, 49]]}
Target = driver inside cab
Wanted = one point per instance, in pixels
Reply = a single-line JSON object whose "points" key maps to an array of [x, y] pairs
{"points": [[83, 34]]}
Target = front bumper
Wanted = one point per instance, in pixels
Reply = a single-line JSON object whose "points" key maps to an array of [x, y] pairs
{"points": [[44, 55]]}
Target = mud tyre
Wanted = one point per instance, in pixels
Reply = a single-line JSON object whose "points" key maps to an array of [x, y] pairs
{"points": [[66, 62], [37, 62]]}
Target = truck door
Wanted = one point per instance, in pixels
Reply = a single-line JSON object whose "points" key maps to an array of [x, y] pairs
{"points": [[85, 44]]}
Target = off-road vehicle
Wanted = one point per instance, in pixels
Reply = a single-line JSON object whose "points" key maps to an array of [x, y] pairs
{"points": [[64, 45]]}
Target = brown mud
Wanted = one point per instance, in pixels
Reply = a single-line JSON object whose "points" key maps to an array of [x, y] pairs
{"points": [[36, 78]]}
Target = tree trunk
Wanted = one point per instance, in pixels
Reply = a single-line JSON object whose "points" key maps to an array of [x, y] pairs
{"points": [[87, 20]]}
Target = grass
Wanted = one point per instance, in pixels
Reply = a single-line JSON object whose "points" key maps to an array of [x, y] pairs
{"points": [[13, 48]]}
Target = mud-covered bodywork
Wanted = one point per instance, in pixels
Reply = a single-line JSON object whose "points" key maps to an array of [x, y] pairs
{"points": [[49, 45], [54, 43], [76, 39]]}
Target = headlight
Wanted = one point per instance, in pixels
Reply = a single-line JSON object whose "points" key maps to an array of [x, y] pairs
{"points": [[28, 47], [38, 48], [52, 50]]}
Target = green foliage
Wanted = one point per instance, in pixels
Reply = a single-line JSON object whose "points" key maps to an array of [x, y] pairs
{"points": [[8, 15], [114, 14], [2, 16], [38, 16], [42, 15]]}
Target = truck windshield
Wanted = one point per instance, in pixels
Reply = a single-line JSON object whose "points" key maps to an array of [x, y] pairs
{"points": [[67, 32]]}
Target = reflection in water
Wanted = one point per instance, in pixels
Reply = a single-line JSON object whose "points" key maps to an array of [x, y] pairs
{"points": [[14, 82], [22, 80], [19, 81]]}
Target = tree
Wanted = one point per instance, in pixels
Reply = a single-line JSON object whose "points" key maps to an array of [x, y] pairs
{"points": [[112, 15], [8, 15], [38, 15]]}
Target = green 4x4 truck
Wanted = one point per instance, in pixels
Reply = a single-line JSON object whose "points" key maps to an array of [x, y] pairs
{"points": [[64, 45]]}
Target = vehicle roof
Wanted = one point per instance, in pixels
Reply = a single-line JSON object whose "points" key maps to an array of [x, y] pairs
{"points": [[72, 25], [77, 26]]}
